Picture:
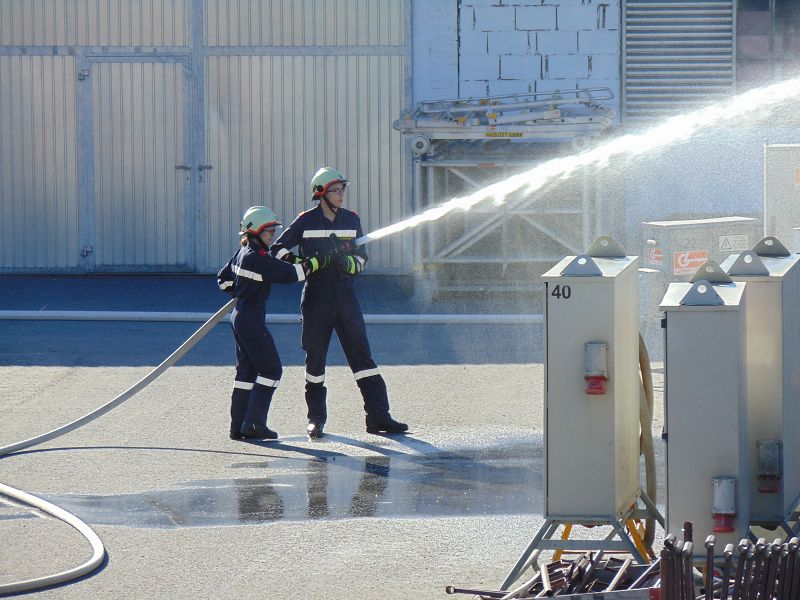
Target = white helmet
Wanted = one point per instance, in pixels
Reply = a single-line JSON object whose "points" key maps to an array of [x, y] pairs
{"points": [[323, 179], [256, 219]]}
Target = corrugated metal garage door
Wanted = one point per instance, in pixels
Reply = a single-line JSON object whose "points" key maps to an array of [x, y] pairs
{"points": [[678, 54], [278, 129], [38, 174], [102, 101], [296, 85], [141, 172]]}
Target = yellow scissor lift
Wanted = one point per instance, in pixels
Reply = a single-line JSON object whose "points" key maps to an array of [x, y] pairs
{"points": [[571, 114]]}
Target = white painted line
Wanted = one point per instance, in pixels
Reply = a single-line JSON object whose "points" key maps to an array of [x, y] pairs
{"points": [[194, 317]]}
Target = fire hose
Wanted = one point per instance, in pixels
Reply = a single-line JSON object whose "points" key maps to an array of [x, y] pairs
{"points": [[98, 549], [646, 437]]}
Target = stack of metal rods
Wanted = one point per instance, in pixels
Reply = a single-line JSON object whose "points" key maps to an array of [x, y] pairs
{"points": [[588, 573], [754, 571], [751, 571]]}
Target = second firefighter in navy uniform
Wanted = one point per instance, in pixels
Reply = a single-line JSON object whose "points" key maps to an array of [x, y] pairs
{"points": [[329, 302], [248, 276]]}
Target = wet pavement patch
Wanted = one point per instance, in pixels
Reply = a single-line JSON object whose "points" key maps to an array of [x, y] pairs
{"points": [[471, 483]]}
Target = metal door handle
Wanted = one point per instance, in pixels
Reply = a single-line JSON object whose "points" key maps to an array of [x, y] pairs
{"points": [[183, 167], [204, 167]]}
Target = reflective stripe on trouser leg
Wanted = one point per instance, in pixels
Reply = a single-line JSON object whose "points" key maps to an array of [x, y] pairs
{"points": [[258, 404], [376, 399]]}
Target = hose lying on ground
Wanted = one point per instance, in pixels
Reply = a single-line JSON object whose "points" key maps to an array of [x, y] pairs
{"points": [[98, 553], [140, 385], [98, 550]]}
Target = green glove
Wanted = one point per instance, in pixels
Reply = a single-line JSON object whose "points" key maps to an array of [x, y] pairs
{"points": [[315, 263], [347, 264]]}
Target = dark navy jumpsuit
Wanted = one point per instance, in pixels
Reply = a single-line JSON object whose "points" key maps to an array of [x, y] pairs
{"points": [[329, 303], [248, 276]]}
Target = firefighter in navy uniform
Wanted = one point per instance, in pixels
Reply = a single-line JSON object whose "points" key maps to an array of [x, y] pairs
{"points": [[248, 276], [329, 302]]}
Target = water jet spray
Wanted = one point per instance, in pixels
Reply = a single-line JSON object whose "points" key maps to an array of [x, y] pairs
{"points": [[674, 129]]}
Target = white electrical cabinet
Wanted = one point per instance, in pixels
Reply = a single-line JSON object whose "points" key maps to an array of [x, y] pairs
{"points": [[591, 386], [772, 275], [705, 405], [675, 250], [782, 191]]}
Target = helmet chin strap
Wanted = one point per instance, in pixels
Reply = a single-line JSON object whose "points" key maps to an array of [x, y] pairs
{"points": [[260, 242], [332, 208]]}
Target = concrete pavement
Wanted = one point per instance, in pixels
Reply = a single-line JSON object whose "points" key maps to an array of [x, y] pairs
{"points": [[185, 512]]}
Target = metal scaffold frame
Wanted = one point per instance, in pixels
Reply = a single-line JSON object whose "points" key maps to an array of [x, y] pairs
{"points": [[463, 145], [441, 243]]}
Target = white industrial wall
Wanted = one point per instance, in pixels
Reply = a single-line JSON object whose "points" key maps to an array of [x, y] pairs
{"points": [[486, 47], [323, 89], [94, 22], [38, 171], [137, 132]]}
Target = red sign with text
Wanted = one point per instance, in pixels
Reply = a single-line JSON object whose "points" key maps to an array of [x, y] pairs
{"points": [[655, 256], [688, 261]]}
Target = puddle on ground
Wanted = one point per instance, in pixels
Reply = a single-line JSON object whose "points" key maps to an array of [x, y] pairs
{"points": [[488, 482]]}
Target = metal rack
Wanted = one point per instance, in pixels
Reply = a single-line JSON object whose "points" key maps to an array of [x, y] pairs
{"points": [[463, 145]]}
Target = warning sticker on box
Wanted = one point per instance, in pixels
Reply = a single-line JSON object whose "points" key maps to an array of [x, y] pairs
{"points": [[688, 261], [738, 242], [655, 256]]}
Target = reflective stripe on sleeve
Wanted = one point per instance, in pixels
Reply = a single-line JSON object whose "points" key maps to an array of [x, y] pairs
{"points": [[360, 260], [301, 276], [326, 233], [245, 273], [281, 253], [366, 373], [243, 385], [224, 285], [273, 383], [315, 378]]}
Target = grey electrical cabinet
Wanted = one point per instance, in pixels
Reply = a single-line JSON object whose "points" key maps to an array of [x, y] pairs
{"points": [[591, 386], [706, 405], [675, 249], [782, 192], [772, 275]]}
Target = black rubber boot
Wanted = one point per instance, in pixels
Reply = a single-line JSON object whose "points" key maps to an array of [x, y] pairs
{"points": [[376, 399], [385, 425], [254, 426], [251, 431], [316, 394], [315, 430], [239, 399]]}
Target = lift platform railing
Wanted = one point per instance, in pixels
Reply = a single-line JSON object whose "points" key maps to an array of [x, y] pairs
{"points": [[529, 115]]}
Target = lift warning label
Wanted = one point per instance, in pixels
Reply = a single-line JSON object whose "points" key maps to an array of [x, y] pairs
{"points": [[688, 261], [738, 242], [503, 134]]}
